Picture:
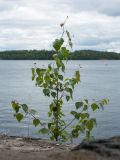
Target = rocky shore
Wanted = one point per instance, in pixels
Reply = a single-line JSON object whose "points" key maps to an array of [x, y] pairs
{"points": [[17, 148]]}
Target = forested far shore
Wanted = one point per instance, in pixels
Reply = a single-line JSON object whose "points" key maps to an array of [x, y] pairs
{"points": [[48, 55]]}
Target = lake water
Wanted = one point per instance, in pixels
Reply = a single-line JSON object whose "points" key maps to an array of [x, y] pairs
{"points": [[99, 79]]}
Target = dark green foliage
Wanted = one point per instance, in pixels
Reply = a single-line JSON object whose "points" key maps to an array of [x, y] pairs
{"points": [[94, 55], [26, 55], [48, 55]]}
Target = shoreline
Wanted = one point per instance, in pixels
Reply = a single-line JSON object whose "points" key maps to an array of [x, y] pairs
{"points": [[43, 144], [22, 148]]}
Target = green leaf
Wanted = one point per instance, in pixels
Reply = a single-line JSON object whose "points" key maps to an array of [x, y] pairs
{"points": [[63, 67], [51, 107], [67, 98], [69, 90], [49, 125], [85, 107], [51, 75], [38, 71], [36, 122], [60, 77], [25, 108], [104, 101], [58, 43], [73, 113], [15, 106], [84, 115], [46, 92], [58, 62], [75, 133], [47, 78], [77, 76], [44, 131], [90, 124], [56, 71], [78, 104], [77, 115], [33, 74], [68, 35], [94, 121], [39, 80], [32, 111], [19, 116], [80, 128], [65, 52], [53, 94], [56, 132], [94, 106], [86, 101]]}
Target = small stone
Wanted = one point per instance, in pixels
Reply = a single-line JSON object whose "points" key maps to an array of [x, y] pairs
{"points": [[19, 139]]}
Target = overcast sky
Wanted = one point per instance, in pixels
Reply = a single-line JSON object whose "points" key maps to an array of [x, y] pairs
{"points": [[34, 24]]}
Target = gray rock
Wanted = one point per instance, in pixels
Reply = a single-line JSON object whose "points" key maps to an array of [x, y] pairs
{"points": [[99, 150]]}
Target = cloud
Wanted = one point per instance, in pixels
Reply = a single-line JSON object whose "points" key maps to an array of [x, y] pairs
{"points": [[108, 7], [34, 24]]}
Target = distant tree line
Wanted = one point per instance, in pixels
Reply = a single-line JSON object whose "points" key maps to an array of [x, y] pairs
{"points": [[48, 55]]}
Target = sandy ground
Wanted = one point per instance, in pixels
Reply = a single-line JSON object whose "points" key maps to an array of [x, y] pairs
{"points": [[16, 148]]}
